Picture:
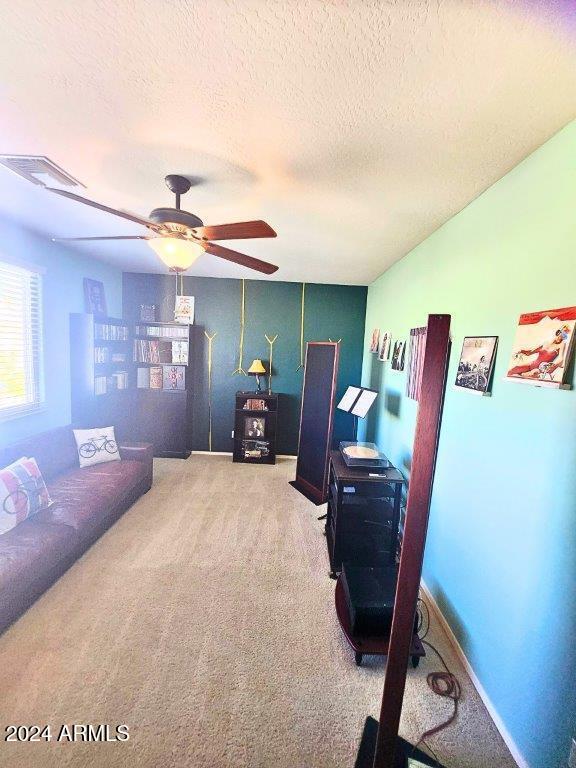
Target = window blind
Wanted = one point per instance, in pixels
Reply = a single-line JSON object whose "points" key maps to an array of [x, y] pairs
{"points": [[21, 389]]}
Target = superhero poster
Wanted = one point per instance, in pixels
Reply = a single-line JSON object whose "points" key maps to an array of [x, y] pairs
{"points": [[542, 347]]}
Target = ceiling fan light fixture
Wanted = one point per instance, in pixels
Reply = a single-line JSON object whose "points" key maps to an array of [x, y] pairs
{"points": [[177, 254]]}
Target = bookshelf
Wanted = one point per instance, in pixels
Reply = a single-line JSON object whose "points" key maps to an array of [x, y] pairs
{"points": [[100, 370], [161, 356], [255, 427]]}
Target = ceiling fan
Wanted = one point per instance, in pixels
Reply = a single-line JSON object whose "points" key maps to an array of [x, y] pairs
{"points": [[179, 237]]}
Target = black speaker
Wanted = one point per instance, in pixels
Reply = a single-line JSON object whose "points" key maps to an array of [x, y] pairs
{"points": [[370, 596]]}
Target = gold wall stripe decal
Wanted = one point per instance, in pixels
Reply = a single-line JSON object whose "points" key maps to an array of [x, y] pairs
{"points": [[240, 369], [210, 340], [271, 344], [302, 327]]}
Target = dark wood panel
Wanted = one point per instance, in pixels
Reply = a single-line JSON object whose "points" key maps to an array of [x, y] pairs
{"points": [[317, 418], [415, 528]]}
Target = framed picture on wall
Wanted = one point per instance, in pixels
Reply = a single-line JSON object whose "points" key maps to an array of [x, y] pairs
{"points": [[398, 355], [375, 342], [385, 343], [476, 363], [94, 297], [542, 347]]}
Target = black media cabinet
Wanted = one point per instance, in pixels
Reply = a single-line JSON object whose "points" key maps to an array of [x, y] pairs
{"points": [[255, 419]]}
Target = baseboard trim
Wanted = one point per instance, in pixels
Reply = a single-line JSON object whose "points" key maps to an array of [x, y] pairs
{"points": [[498, 722], [212, 453]]}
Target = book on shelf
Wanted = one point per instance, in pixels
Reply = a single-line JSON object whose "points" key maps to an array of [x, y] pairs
{"points": [[160, 351], [174, 377], [100, 385], [163, 332], [255, 404], [109, 332], [101, 354], [180, 352], [119, 380], [156, 378], [143, 378]]}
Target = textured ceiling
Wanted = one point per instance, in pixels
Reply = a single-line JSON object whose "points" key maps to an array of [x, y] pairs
{"points": [[354, 128]]}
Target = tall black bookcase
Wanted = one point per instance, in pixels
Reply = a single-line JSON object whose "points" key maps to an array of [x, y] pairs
{"points": [[100, 372], [162, 355], [134, 377]]}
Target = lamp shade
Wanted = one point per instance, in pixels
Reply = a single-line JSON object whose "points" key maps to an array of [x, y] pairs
{"points": [[177, 254], [257, 367]]}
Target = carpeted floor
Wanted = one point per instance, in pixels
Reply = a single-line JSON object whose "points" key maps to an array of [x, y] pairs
{"points": [[204, 620]]}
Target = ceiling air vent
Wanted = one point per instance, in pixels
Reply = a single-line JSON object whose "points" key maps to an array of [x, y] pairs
{"points": [[39, 170]]}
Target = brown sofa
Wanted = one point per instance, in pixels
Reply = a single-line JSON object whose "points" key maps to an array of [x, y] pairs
{"points": [[85, 503]]}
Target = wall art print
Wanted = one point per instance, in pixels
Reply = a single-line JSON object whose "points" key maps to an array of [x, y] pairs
{"points": [[542, 347], [375, 341], [385, 344], [398, 355], [476, 363]]}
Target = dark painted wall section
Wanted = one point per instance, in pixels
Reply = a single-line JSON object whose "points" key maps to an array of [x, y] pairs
{"points": [[331, 311]]}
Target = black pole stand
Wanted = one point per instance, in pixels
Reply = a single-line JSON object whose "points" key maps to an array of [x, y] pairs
{"points": [[404, 750]]}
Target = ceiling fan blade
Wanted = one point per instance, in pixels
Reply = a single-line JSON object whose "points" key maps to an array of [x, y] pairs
{"points": [[240, 258], [112, 237], [241, 230], [123, 214]]}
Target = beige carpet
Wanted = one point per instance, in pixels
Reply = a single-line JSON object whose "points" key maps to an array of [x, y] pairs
{"points": [[204, 620]]}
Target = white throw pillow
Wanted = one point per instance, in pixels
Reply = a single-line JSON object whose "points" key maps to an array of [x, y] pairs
{"points": [[95, 446]]}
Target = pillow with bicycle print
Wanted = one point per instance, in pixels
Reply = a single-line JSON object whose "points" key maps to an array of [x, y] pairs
{"points": [[23, 492], [95, 446]]}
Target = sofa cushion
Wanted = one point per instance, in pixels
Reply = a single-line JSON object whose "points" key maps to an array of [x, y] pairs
{"points": [[22, 493], [31, 549], [96, 446], [83, 498], [54, 451]]}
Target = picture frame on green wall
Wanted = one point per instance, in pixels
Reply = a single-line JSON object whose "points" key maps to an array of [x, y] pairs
{"points": [[542, 348], [375, 341], [474, 372]]}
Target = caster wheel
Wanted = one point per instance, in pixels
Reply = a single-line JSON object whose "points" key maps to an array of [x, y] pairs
{"points": [[333, 575], [358, 658], [415, 661]]}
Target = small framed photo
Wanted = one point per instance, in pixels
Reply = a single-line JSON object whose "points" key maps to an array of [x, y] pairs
{"points": [[385, 343], [254, 427], [375, 341], [476, 363], [398, 355], [94, 297]]}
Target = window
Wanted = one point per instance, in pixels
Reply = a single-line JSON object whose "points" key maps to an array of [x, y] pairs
{"points": [[20, 341]]}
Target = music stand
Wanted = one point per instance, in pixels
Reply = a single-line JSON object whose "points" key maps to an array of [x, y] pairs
{"points": [[357, 401]]}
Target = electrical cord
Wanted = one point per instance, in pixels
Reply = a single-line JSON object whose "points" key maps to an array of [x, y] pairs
{"points": [[443, 683]]}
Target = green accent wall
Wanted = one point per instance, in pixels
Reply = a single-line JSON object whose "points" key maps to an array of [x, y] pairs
{"points": [[63, 273], [272, 307], [501, 552]]}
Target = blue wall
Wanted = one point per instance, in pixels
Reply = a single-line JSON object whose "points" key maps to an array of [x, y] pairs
{"points": [[63, 292], [501, 552]]}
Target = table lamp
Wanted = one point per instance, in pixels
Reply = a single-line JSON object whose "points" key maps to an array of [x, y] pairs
{"points": [[256, 369]]}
